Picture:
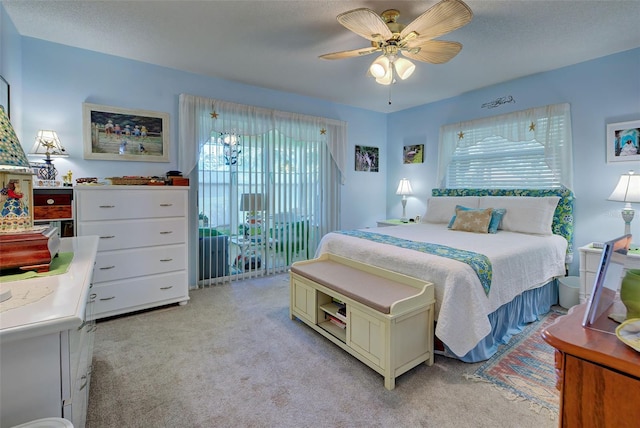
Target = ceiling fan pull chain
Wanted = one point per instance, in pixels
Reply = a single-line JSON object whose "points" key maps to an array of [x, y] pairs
{"points": [[390, 93]]}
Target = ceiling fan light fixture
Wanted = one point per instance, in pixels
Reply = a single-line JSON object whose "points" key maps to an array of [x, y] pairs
{"points": [[404, 68], [387, 79], [380, 67]]}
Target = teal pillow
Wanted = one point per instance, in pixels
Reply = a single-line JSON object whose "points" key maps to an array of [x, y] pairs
{"points": [[496, 217]]}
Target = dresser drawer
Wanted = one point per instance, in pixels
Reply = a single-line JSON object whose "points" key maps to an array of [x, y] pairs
{"points": [[120, 264], [115, 235], [130, 204], [140, 293]]}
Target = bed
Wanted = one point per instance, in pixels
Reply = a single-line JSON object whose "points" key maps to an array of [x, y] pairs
{"points": [[488, 285]]}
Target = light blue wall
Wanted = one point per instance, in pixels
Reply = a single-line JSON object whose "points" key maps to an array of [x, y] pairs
{"points": [[605, 90], [50, 82]]}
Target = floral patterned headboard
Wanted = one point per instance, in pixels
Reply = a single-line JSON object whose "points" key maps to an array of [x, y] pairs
{"points": [[562, 219]]}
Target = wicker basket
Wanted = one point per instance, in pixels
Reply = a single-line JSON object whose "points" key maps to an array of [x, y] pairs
{"points": [[129, 180]]}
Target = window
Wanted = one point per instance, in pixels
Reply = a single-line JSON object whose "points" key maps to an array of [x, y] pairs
{"points": [[528, 149]]}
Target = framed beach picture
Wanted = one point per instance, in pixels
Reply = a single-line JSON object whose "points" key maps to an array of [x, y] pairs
{"points": [[367, 158], [113, 133], [623, 141], [413, 154]]}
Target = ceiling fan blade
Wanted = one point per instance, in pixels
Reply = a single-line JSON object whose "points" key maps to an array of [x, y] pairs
{"points": [[442, 18], [350, 54], [434, 51], [365, 23]]}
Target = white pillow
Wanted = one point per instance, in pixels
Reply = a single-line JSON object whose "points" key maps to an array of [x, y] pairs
{"points": [[440, 209], [525, 214]]}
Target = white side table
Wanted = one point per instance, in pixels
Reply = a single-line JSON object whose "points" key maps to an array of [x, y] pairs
{"points": [[589, 264]]}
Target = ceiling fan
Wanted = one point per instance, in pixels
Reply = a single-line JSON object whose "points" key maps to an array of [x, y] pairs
{"points": [[414, 40]]}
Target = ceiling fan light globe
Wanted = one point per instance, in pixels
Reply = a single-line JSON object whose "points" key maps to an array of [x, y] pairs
{"points": [[404, 68], [387, 79], [379, 67]]}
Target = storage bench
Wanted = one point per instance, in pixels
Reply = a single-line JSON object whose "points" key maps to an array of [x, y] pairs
{"points": [[383, 318]]}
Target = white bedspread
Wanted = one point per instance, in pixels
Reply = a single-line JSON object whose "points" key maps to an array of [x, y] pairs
{"points": [[519, 261]]}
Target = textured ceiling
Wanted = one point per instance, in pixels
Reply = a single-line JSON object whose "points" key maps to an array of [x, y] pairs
{"points": [[276, 44]]}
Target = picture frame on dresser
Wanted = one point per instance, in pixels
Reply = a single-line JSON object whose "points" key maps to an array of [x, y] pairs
{"points": [[119, 134], [623, 141], [604, 303]]}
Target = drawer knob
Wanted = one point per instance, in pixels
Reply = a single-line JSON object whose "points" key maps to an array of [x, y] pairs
{"points": [[166, 205], [107, 267], [108, 298], [50, 201], [165, 260], [107, 206], [166, 288], [166, 232], [107, 237]]}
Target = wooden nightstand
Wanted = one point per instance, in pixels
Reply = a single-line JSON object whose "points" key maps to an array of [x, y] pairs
{"points": [[390, 222], [54, 204], [589, 262]]}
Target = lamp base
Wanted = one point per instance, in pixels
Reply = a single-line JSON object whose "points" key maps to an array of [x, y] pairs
{"points": [[627, 216]]}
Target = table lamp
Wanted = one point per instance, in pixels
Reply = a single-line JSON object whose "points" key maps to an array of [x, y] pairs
{"points": [[48, 144], [627, 190], [404, 189], [253, 204]]}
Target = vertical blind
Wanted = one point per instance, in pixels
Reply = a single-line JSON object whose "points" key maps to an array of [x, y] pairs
{"points": [[268, 185]]}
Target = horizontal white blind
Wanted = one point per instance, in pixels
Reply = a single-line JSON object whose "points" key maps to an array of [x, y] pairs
{"points": [[485, 155]]}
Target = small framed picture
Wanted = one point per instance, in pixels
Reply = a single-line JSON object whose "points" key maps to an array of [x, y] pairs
{"points": [[623, 141], [413, 154], [112, 133], [367, 158]]}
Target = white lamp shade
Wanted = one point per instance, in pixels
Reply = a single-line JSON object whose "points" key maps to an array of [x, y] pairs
{"points": [[48, 142], [404, 187], [627, 189], [404, 68], [387, 79], [379, 67]]}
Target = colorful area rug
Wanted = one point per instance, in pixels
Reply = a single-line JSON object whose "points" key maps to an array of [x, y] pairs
{"points": [[524, 369]]}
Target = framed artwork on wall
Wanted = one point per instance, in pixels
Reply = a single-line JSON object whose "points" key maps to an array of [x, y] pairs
{"points": [[5, 96], [623, 141], [413, 153], [367, 158], [113, 133]]}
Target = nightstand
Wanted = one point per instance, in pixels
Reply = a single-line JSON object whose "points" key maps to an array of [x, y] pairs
{"points": [[390, 222], [54, 205], [589, 263]]}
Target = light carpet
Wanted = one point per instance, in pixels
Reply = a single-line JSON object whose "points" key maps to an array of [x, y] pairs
{"points": [[524, 369], [232, 357]]}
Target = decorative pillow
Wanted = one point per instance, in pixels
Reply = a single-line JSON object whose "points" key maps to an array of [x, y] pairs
{"points": [[440, 208], [472, 220], [496, 217], [524, 214]]}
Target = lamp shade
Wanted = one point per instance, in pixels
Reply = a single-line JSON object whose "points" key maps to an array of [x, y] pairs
{"points": [[47, 142], [404, 68], [379, 67], [404, 187], [627, 189], [252, 202], [12, 156]]}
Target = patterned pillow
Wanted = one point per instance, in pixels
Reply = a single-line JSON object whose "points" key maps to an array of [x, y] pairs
{"points": [[496, 217], [472, 220]]}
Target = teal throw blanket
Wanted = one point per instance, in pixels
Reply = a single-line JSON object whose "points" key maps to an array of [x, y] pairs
{"points": [[478, 262]]}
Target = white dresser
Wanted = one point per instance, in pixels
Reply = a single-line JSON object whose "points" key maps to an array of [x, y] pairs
{"points": [[589, 264], [46, 342], [142, 252]]}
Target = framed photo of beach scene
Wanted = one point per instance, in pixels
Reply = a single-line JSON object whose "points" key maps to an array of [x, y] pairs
{"points": [[623, 141], [113, 133]]}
